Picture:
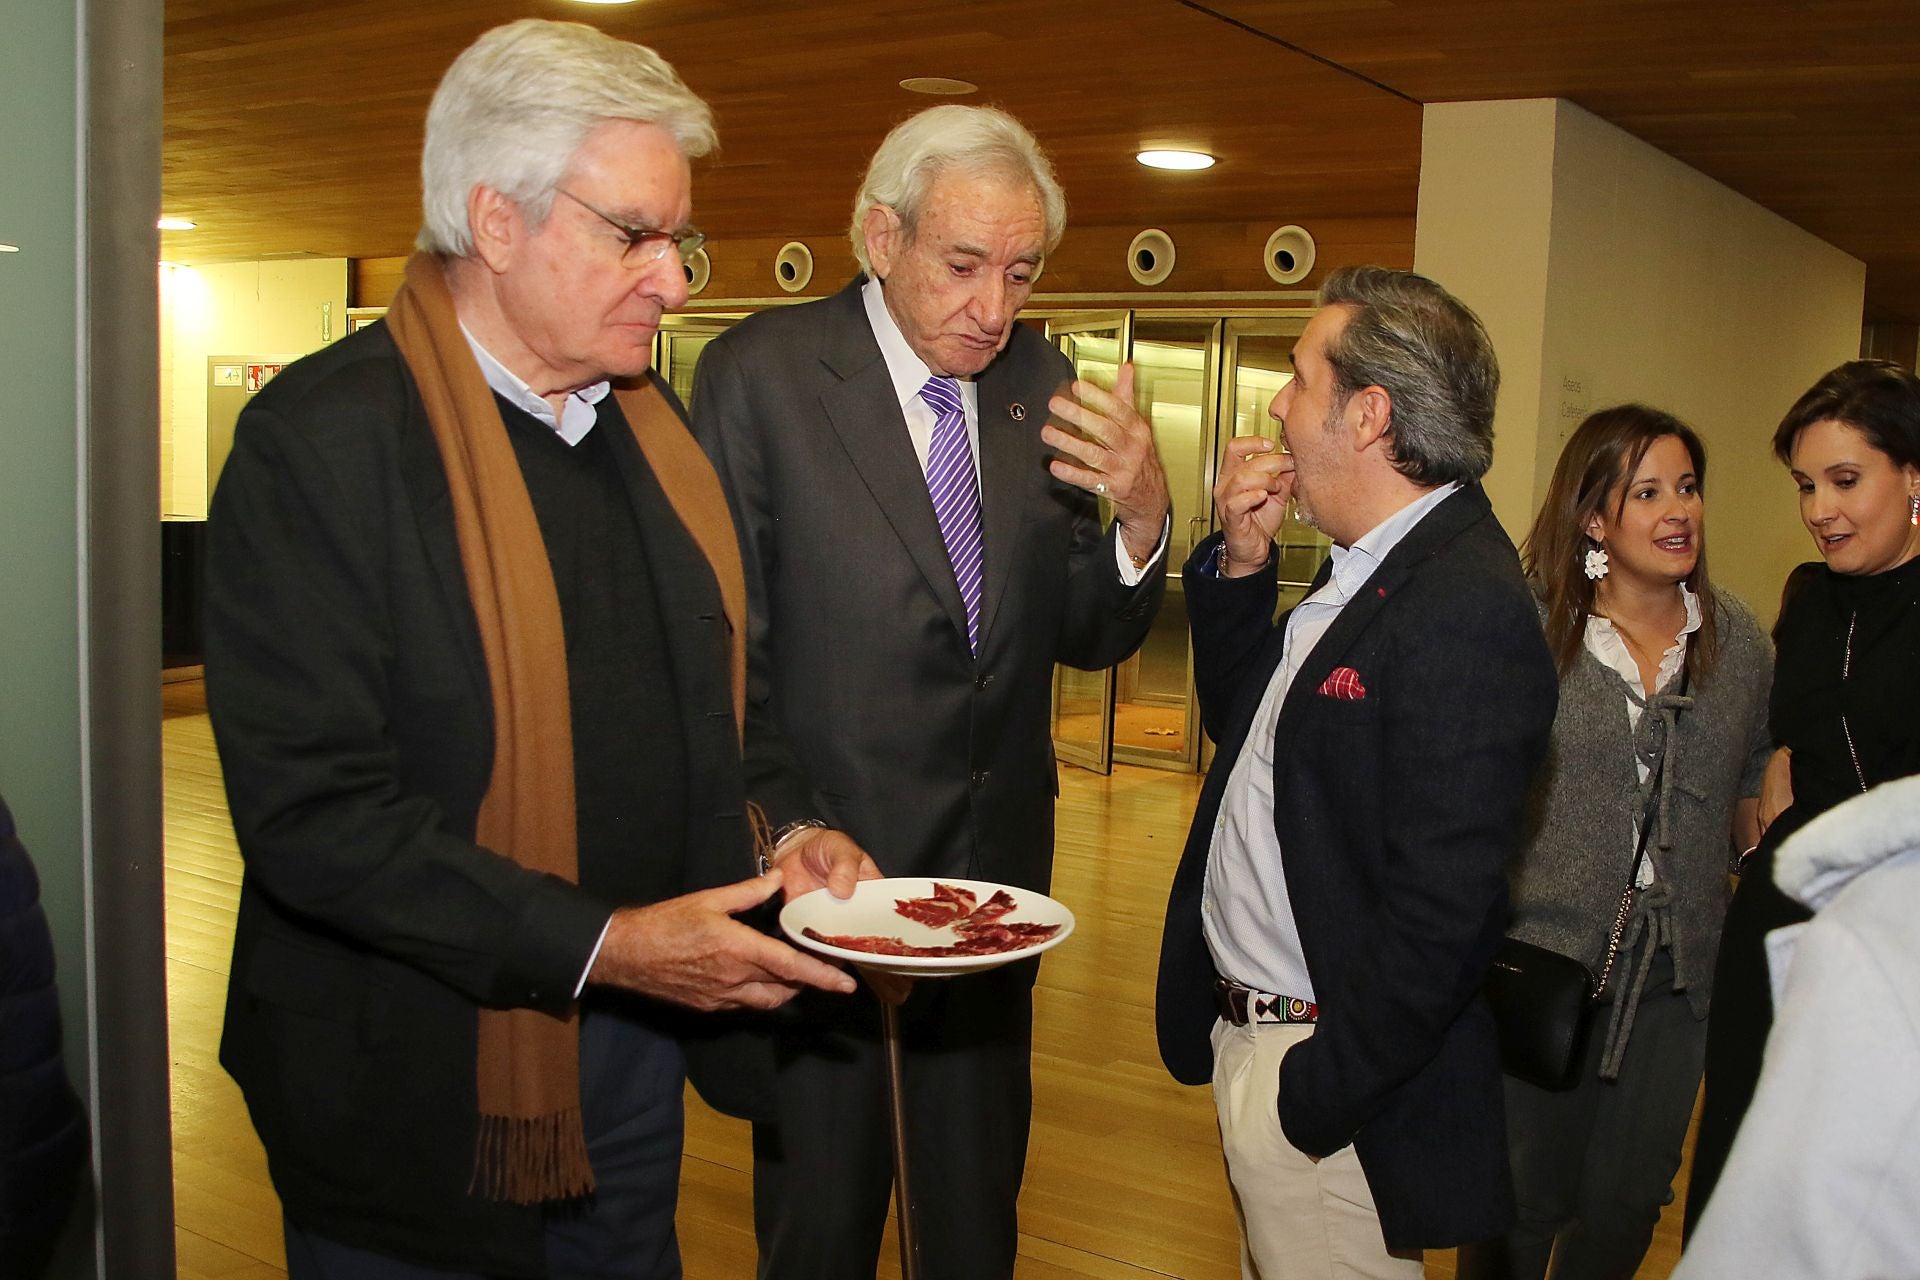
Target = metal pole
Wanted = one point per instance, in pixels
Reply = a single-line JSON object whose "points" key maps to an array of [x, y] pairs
{"points": [[897, 1114]]}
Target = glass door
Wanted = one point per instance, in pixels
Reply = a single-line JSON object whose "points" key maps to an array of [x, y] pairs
{"points": [[1156, 720], [677, 348], [1083, 700], [1258, 358]]}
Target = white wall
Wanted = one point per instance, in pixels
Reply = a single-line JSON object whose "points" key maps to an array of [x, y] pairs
{"points": [[283, 307], [1659, 285], [1486, 210]]}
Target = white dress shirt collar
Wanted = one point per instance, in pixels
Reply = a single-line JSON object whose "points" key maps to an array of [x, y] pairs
{"points": [[1604, 641], [578, 414], [904, 365], [1353, 565]]}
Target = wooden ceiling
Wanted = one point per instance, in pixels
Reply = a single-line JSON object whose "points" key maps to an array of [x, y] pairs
{"points": [[294, 128]]}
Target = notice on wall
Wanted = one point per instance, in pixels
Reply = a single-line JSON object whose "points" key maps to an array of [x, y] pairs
{"points": [[1576, 400], [228, 375], [258, 375]]}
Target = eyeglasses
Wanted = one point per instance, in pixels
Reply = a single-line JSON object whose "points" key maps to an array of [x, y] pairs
{"points": [[645, 245]]}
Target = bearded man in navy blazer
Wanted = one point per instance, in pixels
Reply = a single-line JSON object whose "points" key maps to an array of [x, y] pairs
{"points": [[1341, 893]]}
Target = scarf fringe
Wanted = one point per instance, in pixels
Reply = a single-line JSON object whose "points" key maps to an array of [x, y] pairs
{"points": [[532, 1160]]}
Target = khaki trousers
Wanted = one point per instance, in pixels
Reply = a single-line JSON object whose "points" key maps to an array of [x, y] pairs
{"points": [[1300, 1219]]}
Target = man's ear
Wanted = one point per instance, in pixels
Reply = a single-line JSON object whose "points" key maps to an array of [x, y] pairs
{"points": [[1370, 416], [496, 225], [881, 227]]}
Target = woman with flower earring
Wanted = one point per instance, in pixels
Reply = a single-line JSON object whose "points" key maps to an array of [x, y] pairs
{"points": [[1652, 776], [1845, 709]]}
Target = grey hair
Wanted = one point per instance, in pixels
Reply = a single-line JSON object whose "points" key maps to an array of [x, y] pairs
{"points": [[974, 140], [514, 108], [1431, 354]]}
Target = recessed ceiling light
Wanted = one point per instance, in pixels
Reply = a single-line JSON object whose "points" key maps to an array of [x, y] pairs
{"points": [[1175, 159], [939, 86], [175, 224]]}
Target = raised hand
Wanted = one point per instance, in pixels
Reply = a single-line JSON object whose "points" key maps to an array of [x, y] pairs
{"points": [[1113, 455], [1250, 500]]}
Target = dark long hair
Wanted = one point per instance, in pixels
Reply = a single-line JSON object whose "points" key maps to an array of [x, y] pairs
{"points": [[1593, 471]]}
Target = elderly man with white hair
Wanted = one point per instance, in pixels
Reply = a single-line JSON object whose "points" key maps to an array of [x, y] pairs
{"points": [[921, 550], [474, 669]]}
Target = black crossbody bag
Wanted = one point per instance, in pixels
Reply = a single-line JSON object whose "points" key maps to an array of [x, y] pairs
{"points": [[1541, 999]]}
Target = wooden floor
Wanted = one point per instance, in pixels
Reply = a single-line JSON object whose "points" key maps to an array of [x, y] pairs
{"points": [[1124, 1180]]}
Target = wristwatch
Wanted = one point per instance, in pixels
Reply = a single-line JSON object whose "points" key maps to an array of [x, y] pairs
{"points": [[764, 857]]}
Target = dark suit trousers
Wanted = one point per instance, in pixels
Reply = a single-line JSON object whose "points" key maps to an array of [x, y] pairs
{"points": [[823, 1172], [631, 1080]]}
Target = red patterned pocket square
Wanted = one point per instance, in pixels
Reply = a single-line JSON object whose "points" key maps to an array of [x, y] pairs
{"points": [[1343, 683]]}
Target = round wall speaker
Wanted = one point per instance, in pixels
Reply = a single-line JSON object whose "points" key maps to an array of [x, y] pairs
{"points": [[1150, 256], [1289, 254], [793, 266], [699, 269]]}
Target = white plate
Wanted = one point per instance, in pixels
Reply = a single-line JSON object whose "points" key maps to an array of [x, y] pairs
{"points": [[870, 911]]}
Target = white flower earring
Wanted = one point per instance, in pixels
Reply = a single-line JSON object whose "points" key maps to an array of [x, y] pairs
{"points": [[1913, 509], [1595, 566]]}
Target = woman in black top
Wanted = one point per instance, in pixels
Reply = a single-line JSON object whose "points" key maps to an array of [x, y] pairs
{"points": [[1845, 710]]}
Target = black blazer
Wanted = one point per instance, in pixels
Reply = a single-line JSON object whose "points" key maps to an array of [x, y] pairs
{"points": [[1396, 814], [937, 763], [349, 701]]}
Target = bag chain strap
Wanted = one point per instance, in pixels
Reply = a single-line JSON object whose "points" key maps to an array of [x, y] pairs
{"points": [[1619, 931]]}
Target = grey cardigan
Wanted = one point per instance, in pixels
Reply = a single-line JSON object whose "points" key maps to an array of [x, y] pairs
{"points": [[1570, 873]]}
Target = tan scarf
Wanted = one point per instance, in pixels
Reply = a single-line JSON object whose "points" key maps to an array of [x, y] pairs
{"points": [[531, 1144]]}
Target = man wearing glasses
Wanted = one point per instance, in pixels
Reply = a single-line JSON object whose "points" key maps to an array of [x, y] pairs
{"points": [[476, 669]]}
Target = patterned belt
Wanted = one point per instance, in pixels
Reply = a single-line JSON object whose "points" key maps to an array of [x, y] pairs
{"points": [[1242, 1005]]}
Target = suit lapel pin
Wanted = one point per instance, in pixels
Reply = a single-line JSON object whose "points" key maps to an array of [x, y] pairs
{"points": [[1017, 411]]}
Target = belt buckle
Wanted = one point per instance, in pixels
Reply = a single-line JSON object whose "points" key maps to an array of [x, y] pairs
{"points": [[1231, 999]]}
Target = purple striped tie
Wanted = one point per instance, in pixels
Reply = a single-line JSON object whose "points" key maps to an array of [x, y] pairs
{"points": [[956, 496]]}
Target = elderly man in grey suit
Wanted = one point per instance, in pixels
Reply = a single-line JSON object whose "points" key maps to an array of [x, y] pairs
{"points": [[920, 551]]}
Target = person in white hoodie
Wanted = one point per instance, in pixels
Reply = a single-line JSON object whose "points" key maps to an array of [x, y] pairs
{"points": [[1824, 1178]]}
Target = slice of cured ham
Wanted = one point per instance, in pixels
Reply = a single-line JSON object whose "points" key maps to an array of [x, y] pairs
{"points": [[992, 909], [949, 904]]}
